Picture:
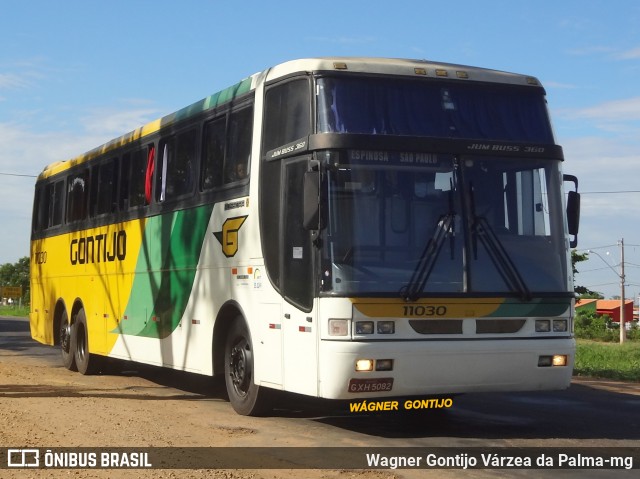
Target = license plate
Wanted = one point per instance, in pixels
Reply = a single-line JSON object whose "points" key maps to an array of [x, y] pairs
{"points": [[372, 385]]}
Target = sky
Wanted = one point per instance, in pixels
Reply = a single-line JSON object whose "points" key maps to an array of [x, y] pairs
{"points": [[75, 74]]}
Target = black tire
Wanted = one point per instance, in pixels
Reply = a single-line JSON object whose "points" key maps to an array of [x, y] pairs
{"points": [[86, 362], [245, 396], [65, 333]]}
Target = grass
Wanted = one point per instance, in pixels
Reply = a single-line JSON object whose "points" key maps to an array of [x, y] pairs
{"points": [[608, 360], [20, 311]]}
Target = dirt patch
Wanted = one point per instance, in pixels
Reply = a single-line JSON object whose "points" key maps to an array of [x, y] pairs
{"points": [[47, 406]]}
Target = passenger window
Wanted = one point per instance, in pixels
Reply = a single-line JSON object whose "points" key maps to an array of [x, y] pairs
{"points": [[213, 158], [54, 197], [39, 208], [77, 196], [176, 166], [239, 147], [104, 181], [137, 168], [43, 207], [137, 171]]}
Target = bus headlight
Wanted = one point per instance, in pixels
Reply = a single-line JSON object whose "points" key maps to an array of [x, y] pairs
{"points": [[543, 325], [364, 327], [559, 325], [386, 327], [338, 327]]}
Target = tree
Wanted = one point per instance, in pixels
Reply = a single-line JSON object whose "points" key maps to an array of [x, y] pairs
{"points": [[583, 291], [16, 274]]}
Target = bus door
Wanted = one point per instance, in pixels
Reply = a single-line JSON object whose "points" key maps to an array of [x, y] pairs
{"points": [[299, 322]]}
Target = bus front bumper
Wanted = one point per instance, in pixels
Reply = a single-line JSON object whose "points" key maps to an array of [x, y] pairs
{"points": [[442, 367]]}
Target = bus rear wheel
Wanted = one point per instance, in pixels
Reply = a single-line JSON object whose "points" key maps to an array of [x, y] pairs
{"points": [[65, 335], [86, 362], [245, 396]]}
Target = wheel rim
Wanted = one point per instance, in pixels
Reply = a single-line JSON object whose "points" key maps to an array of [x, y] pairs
{"points": [[240, 367]]}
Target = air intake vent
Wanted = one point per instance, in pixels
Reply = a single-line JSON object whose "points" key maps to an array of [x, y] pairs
{"points": [[499, 326], [437, 326]]}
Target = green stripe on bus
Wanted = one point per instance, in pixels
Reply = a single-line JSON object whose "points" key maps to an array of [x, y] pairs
{"points": [[539, 307], [165, 272], [211, 101]]}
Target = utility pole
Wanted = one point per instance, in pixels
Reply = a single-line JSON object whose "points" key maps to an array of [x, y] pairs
{"points": [[623, 331]]}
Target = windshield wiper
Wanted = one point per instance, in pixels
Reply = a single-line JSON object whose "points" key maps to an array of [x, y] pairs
{"points": [[481, 229], [412, 290]]}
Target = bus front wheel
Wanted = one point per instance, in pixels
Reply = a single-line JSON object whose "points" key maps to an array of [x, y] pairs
{"points": [[245, 396]]}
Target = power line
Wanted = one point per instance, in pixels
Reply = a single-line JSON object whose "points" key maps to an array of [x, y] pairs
{"points": [[586, 250], [608, 192], [601, 284], [604, 246], [590, 270], [17, 174]]}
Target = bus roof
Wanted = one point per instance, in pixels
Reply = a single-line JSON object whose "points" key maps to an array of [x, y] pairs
{"points": [[399, 66], [386, 66]]}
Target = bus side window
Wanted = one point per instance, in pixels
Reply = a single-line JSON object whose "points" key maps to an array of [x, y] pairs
{"points": [[123, 198], [77, 196], [184, 170], [55, 192], [176, 166], [239, 145], [40, 206], [104, 181], [132, 186], [287, 114], [213, 157]]}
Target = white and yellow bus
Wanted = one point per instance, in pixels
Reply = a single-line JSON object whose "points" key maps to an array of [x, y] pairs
{"points": [[342, 228]]}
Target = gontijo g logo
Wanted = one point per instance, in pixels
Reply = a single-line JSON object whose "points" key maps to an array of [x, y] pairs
{"points": [[228, 237]]}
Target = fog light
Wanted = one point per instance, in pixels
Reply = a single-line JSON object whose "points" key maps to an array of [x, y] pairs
{"points": [[386, 327], [555, 360], [545, 361], [543, 325], [338, 327], [559, 360], [364, 327], [559, 325], [384, 365], [364, 365]]}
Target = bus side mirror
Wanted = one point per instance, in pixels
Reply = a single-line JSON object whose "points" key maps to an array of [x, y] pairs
{"points": [[573, 210], [312, 219]]}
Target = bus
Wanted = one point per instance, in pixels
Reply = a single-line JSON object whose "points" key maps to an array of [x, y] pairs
{"points": [[342, 228]]}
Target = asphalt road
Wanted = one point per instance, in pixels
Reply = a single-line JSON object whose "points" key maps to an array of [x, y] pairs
{"points": [[591, 413]]}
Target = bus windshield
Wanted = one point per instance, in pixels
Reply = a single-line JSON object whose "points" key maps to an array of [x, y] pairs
{"points": [[460, 224], [399, 106]]}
